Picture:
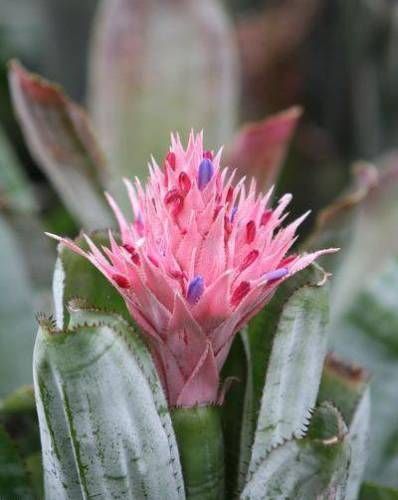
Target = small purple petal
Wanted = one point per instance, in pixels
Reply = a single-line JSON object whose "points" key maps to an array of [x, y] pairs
{"points": [[233, 213], [206, 171], [195, 290], [276, 275]]}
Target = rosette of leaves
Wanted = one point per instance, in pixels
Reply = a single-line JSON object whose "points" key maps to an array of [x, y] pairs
{"points": [[291, 425]]}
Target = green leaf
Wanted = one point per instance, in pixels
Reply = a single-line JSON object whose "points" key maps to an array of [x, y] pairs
{"points": [[367, 334], [310, 467], [370, 491], [293, 345], [60, 139], [16, 315], [14, 481], [200, 442], [105, 427], [74, 276], [237, 403]]}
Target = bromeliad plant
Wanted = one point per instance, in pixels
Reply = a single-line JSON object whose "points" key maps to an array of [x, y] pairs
{"points": [[200, 259], [172, 396], [140, 404], [168, 371]]}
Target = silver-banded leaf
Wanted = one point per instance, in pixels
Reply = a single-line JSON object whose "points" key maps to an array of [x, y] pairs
{"points": [[105, 427], [74, 277], [60, 139], [16, 314], [367, 334], [294, 367], [307, 468]]}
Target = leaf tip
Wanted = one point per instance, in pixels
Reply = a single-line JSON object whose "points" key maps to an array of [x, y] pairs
{"points": [[351, 373]]}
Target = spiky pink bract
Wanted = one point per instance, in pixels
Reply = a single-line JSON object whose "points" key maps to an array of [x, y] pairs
{"points": [[201, 257]]}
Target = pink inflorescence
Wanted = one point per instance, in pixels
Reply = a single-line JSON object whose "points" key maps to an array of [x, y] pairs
{"points": [[202, 256]]}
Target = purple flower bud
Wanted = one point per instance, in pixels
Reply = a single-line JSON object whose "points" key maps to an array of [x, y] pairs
{"points": [[276, 275], [206, 171], [195, 290]]}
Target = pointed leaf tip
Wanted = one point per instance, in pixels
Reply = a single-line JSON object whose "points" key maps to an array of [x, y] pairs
{"points": [[60, 138], [259, 148]]}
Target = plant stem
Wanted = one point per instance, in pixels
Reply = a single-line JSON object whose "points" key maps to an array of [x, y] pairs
{"points": [[201, 445]]}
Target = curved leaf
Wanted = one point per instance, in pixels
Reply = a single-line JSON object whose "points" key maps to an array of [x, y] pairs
{"points": [[105, 427], [296, 352], [75, 277], [311, 467], [259, 148], [60, 139]]}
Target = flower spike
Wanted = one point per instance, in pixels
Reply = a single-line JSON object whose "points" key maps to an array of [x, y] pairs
{"points": [[198, 260]]}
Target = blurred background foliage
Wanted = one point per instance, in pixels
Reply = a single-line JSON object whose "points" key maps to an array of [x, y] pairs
{"points": [[335, 58]]}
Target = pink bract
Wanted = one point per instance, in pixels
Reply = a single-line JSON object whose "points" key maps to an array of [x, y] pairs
{"points": [[202, 256]]}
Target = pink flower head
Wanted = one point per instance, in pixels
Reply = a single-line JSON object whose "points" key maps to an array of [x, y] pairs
{"points": [[201, 257]]}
